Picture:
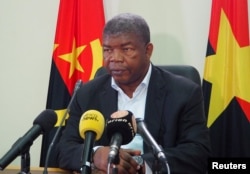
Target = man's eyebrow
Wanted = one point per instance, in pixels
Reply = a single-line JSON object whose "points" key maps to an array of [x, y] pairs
{"points": [[127, 43], [105, 45], [121, 45]]}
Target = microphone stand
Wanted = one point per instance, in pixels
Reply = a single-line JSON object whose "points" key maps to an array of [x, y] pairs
{"points": [[86, 157], [160, 161], [116, 161], [25, 162], [156, 167], [113, 161]]}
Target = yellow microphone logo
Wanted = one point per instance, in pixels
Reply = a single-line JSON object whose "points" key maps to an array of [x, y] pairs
{"points": [[91, 120]]}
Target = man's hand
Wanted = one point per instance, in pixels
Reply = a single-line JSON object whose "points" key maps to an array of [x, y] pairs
{"points": [[127, 164]]}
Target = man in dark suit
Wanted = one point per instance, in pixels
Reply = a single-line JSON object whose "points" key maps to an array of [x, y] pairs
{"points": [[171, 106]]}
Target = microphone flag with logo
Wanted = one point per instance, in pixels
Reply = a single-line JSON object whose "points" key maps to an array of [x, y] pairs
{"points": [[91, 128], [121, 129], [77, 54]]}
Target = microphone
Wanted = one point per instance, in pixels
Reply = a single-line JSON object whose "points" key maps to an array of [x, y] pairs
{"points": [[121, 129], [78, 84], [42, 124], [148, 138], [91, 128]]}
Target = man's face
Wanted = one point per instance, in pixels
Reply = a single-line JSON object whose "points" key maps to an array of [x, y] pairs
{"points": [[126, 58]]}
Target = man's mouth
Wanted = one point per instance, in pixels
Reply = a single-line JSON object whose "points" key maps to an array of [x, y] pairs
{"points": [[116, 72]]}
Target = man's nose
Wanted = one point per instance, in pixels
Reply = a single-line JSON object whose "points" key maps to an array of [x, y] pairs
{"points": [[117, 55]]}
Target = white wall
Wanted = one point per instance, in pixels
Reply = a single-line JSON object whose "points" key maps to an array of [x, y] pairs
{"points": [[27, 31], [179, 32], [179, 28]]}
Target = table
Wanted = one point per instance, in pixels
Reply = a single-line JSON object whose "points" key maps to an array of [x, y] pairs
{"points": [[34, 170]]}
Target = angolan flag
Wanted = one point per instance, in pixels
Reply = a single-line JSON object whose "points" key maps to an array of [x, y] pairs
{"points": [[226, 83], [77, 55]]}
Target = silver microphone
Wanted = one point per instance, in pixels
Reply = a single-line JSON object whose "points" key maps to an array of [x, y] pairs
{"points": [[78, 84]]}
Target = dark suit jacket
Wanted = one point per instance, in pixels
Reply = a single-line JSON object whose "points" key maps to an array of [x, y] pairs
{"points": [[174, 115]]}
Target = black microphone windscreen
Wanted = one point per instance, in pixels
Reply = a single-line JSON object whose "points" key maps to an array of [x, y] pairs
{"points": [[46, 120], [124, 124]]}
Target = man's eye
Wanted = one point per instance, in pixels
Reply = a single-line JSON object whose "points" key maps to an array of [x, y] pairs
{"points": [[127, 49], [107, 50]]}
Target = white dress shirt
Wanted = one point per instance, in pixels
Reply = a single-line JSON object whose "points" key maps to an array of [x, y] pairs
{"points": [[136, 105]]}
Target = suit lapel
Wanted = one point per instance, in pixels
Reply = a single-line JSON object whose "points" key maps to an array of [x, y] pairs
{"points": [[154, 103], [109, 100], [108, 97]]}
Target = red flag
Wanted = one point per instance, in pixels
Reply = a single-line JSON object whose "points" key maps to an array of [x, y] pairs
{"points": [[77, 55], [226, 80]]}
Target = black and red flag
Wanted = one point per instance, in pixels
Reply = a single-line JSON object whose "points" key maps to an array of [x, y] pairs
{"points": [[226, 83], [76, 56]]}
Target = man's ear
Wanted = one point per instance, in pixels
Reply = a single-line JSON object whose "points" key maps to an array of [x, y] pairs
{"points": [[149, 50]]}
